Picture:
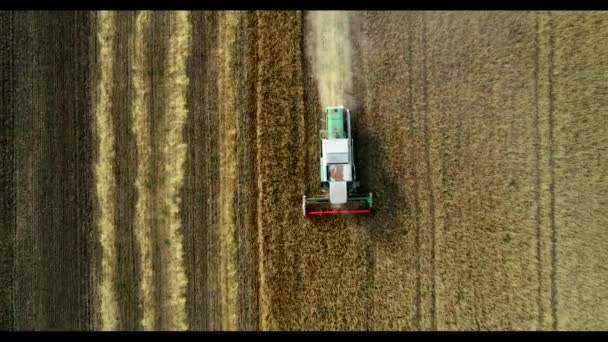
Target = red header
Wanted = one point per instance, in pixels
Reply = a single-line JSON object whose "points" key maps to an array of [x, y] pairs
{"points": [[338, 212]]}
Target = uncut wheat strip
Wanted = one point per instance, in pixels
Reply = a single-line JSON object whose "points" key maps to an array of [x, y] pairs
{"points": [[265, 319], [228, 115], [141, 129], [173, 156], [104, 176]]}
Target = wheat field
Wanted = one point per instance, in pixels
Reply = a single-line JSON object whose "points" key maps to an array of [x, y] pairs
{"points": [[153, 166]]}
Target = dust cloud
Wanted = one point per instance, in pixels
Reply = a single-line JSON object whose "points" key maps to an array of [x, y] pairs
{"points": [[329, 51]]}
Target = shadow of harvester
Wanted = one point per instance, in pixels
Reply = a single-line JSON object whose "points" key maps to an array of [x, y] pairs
{"points": [[392, 200]]}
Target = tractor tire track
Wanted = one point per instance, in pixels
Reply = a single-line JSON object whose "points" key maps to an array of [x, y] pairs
{"points": [[537, 170], [551, 119], [543, 154]]}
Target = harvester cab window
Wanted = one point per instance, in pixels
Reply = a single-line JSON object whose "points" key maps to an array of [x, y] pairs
{"points": [[336, 173], [339, 173]]}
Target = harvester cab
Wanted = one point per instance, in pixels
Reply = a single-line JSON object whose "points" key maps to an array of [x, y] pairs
{"points": [[337, 171]]}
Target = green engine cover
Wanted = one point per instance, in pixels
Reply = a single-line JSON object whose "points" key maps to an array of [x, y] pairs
{"points": [[334, 118]]}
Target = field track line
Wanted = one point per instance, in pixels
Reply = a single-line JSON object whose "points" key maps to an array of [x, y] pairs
{"points": [[105, 180], [554, 295], [537, 183], [173, 155], [427, 139], [141, 129], [416, 191], [264, 308], [228, 114]]}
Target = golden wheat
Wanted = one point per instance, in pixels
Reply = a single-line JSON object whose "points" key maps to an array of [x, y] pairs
{"points": [[228, 115], [173, 156], [141, 130], [105, 180]]}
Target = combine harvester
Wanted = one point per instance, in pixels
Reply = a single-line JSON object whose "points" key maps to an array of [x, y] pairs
{"points": [[338, 180]]}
